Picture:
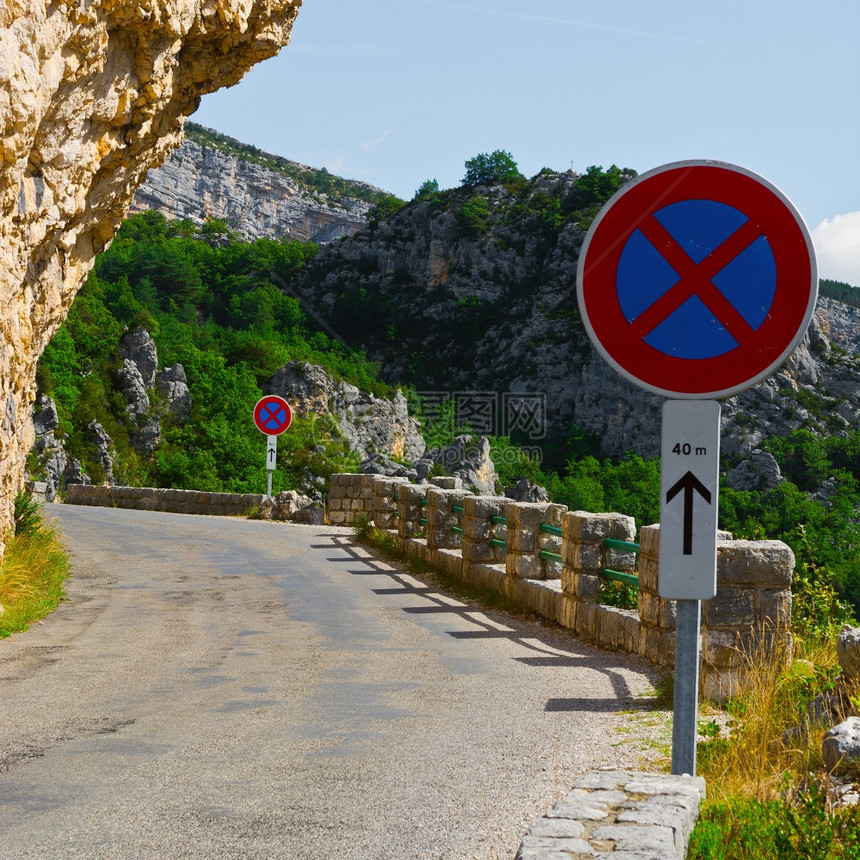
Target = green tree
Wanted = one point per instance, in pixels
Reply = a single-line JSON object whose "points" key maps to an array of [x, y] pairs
{"points": [[386, 206], [802, 457], [427, 189], [595, 187], [484, 169]]}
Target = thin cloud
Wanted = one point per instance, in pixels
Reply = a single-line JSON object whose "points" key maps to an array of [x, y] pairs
{"points": [[837, 247], [524, 16], [369, 144]]}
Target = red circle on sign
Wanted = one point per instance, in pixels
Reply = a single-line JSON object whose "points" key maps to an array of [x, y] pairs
{"points": [[760, 350], [272, 415]]}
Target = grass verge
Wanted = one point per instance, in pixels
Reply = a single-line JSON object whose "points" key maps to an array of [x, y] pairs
{"points": [[767, 782], [32, 572]]}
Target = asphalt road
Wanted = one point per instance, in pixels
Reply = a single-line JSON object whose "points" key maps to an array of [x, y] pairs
{"points": [[222, 688]]}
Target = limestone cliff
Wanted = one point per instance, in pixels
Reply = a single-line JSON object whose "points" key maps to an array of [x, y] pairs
{"points": [[257, 194], [92, 94]]}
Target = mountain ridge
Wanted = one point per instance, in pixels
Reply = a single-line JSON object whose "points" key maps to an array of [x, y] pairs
{"points": [[472, 291], [257, 194]]}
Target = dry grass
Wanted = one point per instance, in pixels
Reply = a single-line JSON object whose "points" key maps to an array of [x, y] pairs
{"points": [[753, 756], [32, 572]]}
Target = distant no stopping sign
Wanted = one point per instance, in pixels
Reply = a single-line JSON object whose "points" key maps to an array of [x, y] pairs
{"points": [[697, 280], [272, 415]]}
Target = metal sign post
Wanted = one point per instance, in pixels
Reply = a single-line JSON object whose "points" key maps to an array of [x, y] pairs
{"points": [[696, 280], [272, 416], [271, 462], [689, 487]]}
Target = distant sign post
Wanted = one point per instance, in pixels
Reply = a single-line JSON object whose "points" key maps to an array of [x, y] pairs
{"points": [[273, 416], [696, 280]]}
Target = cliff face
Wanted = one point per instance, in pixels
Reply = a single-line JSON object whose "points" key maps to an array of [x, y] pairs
{"points": [[472, 294], [91, 96], [199, 182]]}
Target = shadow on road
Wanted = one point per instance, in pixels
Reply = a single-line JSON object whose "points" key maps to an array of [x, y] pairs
{"points": [[542, 653]]}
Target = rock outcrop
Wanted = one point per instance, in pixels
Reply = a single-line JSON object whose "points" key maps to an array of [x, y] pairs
{"points": [[49, 449], [468, 459], [173, 385], [370, 424], [135, 378], [91, 96], [199, 182]]}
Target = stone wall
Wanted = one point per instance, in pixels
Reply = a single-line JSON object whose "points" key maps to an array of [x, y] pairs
{"points": [[350, 497], [91, 96], [169, 501], [455, 531]]}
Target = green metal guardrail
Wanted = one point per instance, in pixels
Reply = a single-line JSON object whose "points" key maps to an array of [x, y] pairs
{"points": [[609, 543], [498, 521], [617, 575], [551, 530]]}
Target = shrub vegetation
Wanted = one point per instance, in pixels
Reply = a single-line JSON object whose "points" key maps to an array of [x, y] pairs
{"points": [[220, 307], [32, 571]]}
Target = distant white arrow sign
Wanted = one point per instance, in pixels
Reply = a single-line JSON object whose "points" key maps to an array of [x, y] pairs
{"points": [[271, 452], [689, 499]]}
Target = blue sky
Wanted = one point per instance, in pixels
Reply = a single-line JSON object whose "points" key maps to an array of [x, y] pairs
{"points": [[398, 91]]}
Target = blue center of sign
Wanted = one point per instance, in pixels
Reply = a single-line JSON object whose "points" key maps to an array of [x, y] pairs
{"points": [[273, 417], [693, 329]]}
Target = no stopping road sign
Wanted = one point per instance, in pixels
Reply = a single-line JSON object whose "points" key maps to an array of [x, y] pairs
{"points": [[697, 280], [272, 415]]}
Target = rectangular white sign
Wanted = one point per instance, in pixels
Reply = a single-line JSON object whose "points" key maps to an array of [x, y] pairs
{"points": [[271, 452], [689, 499]]}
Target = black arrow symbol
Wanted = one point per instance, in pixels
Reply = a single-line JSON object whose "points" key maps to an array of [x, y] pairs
{"points": [[688, 483]]}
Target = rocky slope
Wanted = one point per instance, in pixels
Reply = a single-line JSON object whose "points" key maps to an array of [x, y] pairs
{"points": [[472, 293], [211, 176], [91, 96]]}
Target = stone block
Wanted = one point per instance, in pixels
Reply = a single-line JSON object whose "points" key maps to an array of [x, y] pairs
{"points": [[482, 507], [617, 559], [586, 586], [568, 607], [551, 569], [549, 543], [479, 553], [447, 482], [649, 574], [656, 611], [476, 530], [650, 841], [775, 608], [521, 540], [548, 848], [732, 607], [762, 564], [584, 556], [651, 644], [523, 566], [582, 526], [586, 618], [526, 515], [721, 649]]}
